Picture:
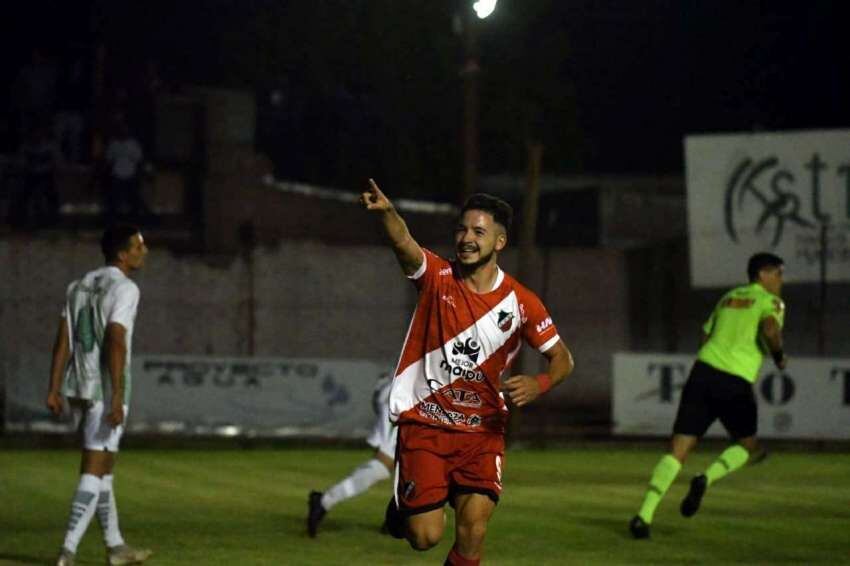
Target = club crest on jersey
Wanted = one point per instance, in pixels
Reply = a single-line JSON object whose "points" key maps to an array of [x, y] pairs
{"points": [[506, 320], [469, 348]]}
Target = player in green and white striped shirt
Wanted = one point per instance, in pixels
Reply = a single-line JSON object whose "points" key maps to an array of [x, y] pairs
{"points": [[91, 368]]}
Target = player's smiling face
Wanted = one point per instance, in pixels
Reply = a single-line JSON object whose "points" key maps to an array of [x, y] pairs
{"points": [[477, 237]]}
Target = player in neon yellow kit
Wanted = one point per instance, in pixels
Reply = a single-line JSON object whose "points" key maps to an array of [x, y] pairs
{"points": [[745, 324]]}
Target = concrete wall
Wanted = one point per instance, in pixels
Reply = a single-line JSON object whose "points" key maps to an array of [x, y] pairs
{"points": [[310, 299]]}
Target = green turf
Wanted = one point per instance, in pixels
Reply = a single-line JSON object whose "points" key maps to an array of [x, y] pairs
{"points": [[566, 506]]}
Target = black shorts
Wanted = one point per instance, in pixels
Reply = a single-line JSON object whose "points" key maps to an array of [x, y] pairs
{"points": [[711, 394]]}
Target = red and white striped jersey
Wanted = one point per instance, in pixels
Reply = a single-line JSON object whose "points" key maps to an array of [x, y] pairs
{"points": [[460, 346]]}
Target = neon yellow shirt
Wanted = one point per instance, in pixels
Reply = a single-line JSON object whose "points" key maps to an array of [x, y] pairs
{"points": [[734, 344]]}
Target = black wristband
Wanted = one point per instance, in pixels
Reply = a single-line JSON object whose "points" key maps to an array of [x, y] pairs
{"points": [[778, 356]]}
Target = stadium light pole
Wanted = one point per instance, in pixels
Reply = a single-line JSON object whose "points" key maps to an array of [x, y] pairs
{"points": [[471, 15]]}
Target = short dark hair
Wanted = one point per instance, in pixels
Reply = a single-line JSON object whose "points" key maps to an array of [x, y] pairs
{"points": [[116, 239], [760, 261], [500, 210]]}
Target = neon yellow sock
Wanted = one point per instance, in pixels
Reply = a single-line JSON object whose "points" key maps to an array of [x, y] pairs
{"points": [[663, 475], [730, 460]]}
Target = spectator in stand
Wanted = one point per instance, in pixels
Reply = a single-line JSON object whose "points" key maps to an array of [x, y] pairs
{"points": [[124, 161]]}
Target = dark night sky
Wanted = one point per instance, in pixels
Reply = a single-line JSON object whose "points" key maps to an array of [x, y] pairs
{"points": [[608, 86]]}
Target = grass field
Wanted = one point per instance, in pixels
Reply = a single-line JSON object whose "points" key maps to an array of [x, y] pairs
{"points": [[567, 506]]}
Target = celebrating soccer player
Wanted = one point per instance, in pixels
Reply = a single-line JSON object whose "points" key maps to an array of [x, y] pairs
{"points": [[446, 397], [91, 367], [745, 323]]}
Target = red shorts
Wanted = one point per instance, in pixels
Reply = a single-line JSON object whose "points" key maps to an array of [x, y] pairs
{"points": [[436, 464]]}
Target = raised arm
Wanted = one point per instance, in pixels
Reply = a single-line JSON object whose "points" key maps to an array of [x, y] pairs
{"points": [[407, 251], [116, 355], [772, 334], [523, 389], [61, 356]]}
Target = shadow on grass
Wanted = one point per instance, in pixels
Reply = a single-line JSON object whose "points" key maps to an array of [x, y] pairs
{"points": [[619, 526], [8, 558]]}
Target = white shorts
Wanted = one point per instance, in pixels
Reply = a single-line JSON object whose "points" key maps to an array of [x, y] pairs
{"points": [[90, 421], [383, 435]]}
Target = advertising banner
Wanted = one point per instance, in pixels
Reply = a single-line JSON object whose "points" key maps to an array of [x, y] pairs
{"points": [[780, 192], [810, 399], [227, 396]]}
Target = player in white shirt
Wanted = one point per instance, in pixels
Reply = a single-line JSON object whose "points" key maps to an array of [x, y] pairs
{"points": [[379, 467], [91, 368]]}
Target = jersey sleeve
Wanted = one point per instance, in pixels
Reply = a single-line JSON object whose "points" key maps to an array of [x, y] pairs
{"points": [[66, 309], [772, 305], [538, 330], [431, 266], [126, 303]]}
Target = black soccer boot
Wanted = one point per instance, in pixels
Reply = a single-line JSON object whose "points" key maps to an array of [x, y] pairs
{"points": [[394, 520], [315, 512], [638, 527], [691, 502]]}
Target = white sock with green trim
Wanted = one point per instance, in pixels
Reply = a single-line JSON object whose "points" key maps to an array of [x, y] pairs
{"points": [[82, 510], [107, 513]]}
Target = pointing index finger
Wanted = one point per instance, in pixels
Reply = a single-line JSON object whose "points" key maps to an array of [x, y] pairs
{"points": [[374, 189]]}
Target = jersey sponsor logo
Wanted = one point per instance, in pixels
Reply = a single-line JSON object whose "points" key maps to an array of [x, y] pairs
{"points": [[466, 373], [473, 420], [445, 271], [462, 397], [506, 320], [449, 299], [543, 325], [436, 412], [462, 361], [469, 348], [737, 303]]}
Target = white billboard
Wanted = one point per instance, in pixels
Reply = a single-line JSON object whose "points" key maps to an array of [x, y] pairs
{"points": [[777, 192], [810, 399], [217, 395]]}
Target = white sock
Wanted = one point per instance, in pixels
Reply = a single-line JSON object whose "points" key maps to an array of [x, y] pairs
{"points": [[107, 513], [82, 510], [356, 483]]}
